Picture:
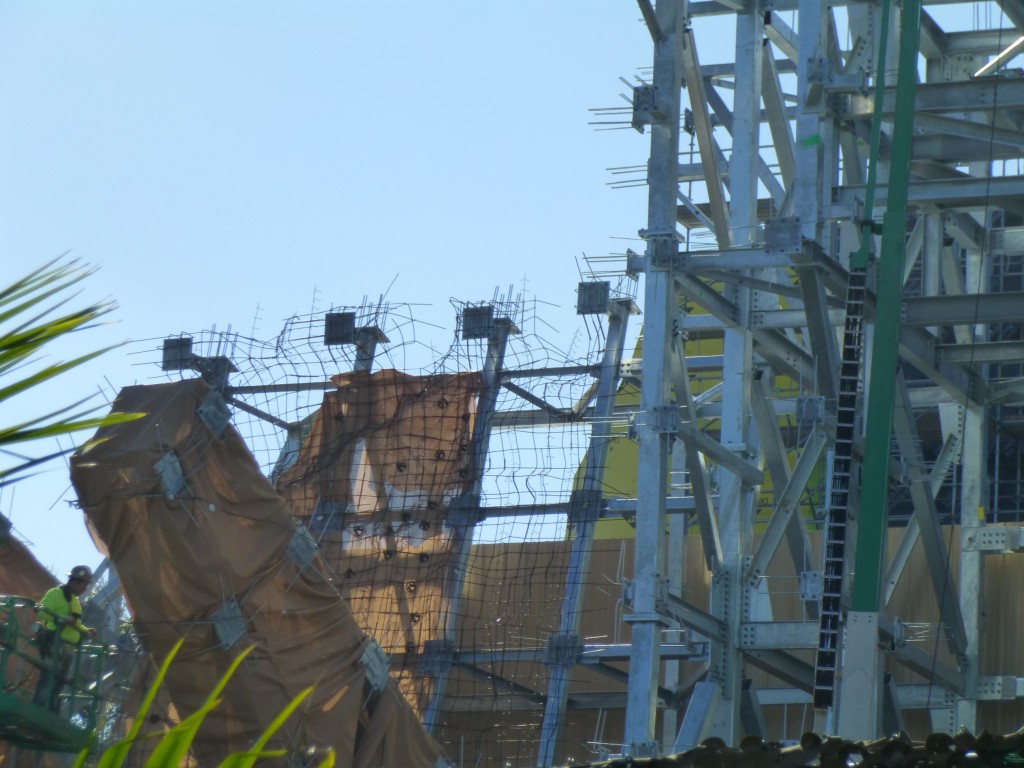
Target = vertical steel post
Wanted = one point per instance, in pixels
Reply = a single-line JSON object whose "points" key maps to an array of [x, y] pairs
{"points": [[736, 498], [657, 413], [973, 497], [584, 509], [804, 198], [367, 339], [463, 515]]}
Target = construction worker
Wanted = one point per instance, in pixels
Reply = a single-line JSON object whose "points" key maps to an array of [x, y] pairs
{"points": [[61, 631]]}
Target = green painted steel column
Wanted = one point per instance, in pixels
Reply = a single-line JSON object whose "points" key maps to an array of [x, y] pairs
{"points": [[885, 351]]}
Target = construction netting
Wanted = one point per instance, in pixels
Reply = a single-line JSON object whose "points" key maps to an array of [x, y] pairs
{"points": [[386, 455], [209, 554], [447, 543], [393, 476]]}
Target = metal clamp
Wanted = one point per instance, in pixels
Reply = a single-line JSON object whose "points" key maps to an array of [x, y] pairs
{"points": [[563, 650], [302, 547], [214, 412], [585, 506], [228, 623], [171, 475], [464, 512], [376, 663], [438, 656]]}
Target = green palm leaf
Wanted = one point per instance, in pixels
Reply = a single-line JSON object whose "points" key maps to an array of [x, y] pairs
{"points": [[175, 744], [33, 315], [248, 758], [115, 755]]}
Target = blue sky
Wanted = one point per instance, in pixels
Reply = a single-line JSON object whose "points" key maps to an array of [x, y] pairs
{"points": [[234, 163], [212, 158]]}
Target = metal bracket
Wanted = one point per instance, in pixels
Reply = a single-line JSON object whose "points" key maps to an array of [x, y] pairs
{"points": [[631, 369], [782, 235], [214, 370], [899, 634], [563, 650], [662, 250], [661, 613], [998, 688], [464, 512], [171, 475], [811, 583], [643, 749], [992, 538], [593, 297], [664, 419], [817, 76], [585, 506], [634, 263], [376, 663], [748, 636], [810, 409], [214, 412], [228, 623], [646, 110], [329, 515], [437, 657], [302, 547]]}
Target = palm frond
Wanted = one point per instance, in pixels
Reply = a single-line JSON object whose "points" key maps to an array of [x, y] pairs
{"points": [[34, 313]]}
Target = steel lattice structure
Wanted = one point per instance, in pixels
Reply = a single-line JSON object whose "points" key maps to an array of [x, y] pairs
{"points": [[781, 193]]}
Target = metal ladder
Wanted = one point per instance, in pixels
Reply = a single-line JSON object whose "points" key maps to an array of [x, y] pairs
{"points": [[839, 503]]}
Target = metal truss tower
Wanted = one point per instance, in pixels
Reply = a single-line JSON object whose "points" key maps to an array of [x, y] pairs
{"points": [[818, 141]]}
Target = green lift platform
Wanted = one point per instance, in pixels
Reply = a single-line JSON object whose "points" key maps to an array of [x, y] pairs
{"points": [[27, 725]]}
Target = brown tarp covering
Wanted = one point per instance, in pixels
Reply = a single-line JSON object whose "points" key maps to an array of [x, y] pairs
{"points": [[20, 572], [385, 456], [225, 536], [384, 444]]}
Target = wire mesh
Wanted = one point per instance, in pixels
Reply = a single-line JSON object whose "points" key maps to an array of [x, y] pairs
{"points": [[442, 517]]}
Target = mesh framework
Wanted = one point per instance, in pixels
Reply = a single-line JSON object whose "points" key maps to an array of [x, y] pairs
{"points": [[440, 501]]}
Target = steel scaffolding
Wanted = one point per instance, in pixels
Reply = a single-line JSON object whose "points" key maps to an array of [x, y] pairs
{"points": [[791, 182]]}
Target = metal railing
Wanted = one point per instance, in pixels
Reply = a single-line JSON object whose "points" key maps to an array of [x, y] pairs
{"points": [[75, 672]]}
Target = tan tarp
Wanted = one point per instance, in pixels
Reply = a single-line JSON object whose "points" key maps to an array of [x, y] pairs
{"points": [[20, 572], [224, 537], [395, 593], [385, 455], [384, 444]]}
